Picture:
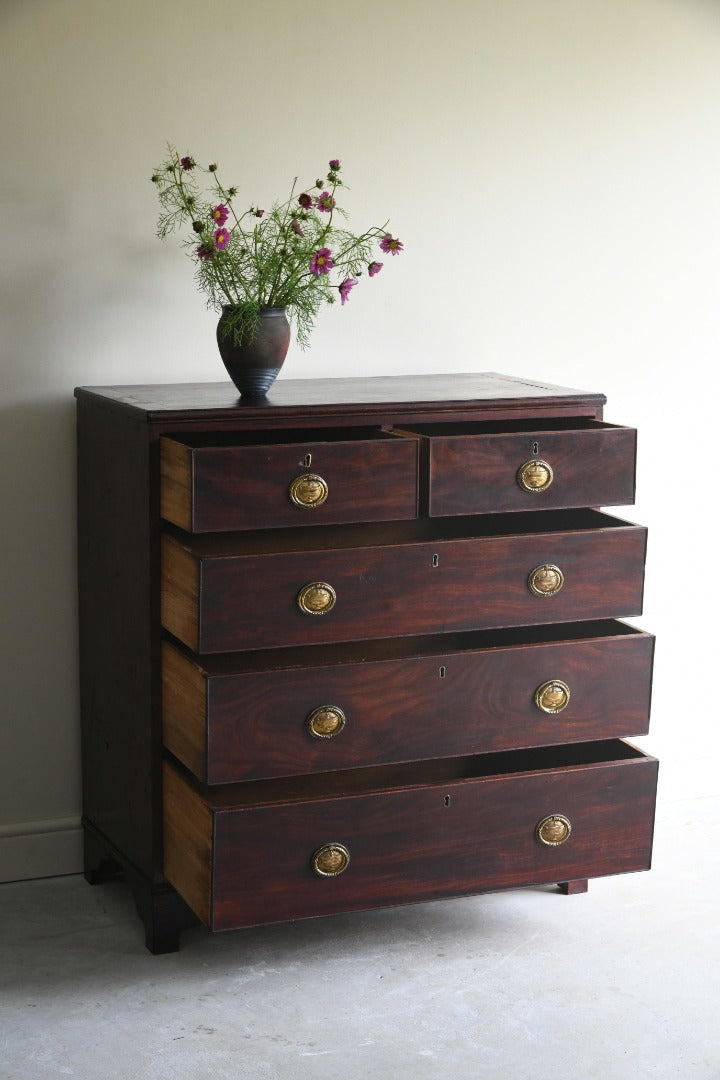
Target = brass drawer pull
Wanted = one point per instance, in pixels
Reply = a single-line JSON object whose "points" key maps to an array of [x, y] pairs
{"points": [[331, 860], [553, 696], [553, 830], [546, 580], [308, 491], [316, 598], [535, 475], [326, 721]]}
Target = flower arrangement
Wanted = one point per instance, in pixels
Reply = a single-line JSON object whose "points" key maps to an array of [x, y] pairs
{"points": [[293, 256]]}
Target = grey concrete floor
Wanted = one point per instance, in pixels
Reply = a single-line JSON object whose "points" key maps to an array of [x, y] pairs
{"points": [[623, 982]]}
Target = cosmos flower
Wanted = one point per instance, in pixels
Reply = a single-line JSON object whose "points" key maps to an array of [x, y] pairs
{"points": [[374, 268], [321, 262], [297, 227], [305, 200], [345, 287], [221, 238], [325, 202], [187, 163], [205, 251], [220, 214], [334, 164], [389, 245]]}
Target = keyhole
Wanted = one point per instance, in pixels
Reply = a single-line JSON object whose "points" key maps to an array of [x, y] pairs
{"points": [[536, 448], [442, 671], [446, 801], [308, 461], [435, 560]]}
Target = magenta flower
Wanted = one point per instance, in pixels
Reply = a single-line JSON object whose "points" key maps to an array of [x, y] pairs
{"points": [[220, 214], [297, 227], [325, 202], [221, 238], [345, 287], [305, 200], [187, 163], [205, 251], [374, 268], [321, 262], [334, 164], [259, 213], [389, 245]]}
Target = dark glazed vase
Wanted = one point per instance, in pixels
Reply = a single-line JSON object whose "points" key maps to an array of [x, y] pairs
{"points": [[253, 364]]}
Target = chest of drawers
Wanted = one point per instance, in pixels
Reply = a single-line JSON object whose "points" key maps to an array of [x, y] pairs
{"points": [[357, 645]]}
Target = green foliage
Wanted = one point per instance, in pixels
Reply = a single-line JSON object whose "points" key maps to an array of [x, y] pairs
{"points": [[294, 256]]}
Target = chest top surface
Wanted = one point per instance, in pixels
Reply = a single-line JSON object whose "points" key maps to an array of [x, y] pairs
{"points": [[318, 397]]}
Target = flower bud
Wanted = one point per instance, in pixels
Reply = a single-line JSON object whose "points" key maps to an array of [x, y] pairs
{"points": [[198, 226], [213, 167]]}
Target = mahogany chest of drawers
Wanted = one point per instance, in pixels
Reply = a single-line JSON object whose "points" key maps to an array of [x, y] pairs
{"points": [[357, 645]]}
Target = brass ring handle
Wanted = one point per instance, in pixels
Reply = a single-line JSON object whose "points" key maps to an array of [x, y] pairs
{"points": [[316, 598], [535, 475], [553, 830], [331, 860], [546, 580], [326, 721], [553, 696], [308, 491]]}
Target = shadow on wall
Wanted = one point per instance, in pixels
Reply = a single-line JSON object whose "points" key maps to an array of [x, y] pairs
{"points": [[39, 698]]}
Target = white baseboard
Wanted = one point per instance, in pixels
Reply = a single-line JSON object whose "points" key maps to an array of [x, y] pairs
{"points": [[34, 849]]}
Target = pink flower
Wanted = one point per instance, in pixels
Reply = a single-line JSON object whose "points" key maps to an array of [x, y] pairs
{"points": [[205, 251], [297, 227], [374, 268], [345, 287], [187, 163], [389, 245], [259, 213], [220, 214], [305, 200], [334, 164], [221, 238], [325, 202], [321, 262]]}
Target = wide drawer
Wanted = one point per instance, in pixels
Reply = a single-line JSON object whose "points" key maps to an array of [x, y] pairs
{"points": [[275, 850], [212, 483], [531, 465], [263, 715], [255, 591]]}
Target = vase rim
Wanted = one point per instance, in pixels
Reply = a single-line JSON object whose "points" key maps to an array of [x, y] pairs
{"points": [[272, 310]]}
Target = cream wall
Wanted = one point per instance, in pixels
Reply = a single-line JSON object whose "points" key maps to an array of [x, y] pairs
{"points": [[553, 168]]}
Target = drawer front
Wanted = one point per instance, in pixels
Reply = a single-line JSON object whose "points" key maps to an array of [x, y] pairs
{"points": [[232, 602], [412, 844], [542, 470], [320, 718], [221, 488]]}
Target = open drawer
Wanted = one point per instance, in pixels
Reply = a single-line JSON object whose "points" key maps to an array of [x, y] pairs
{"points": [[219, 481], [478, 468], [224, 593], [269, 851], [283, 712]]}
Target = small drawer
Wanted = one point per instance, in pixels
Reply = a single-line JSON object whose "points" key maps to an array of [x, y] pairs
{"points": [[265, 852], [237, 718], [311, 587], [259, 480], [503, 466]]}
